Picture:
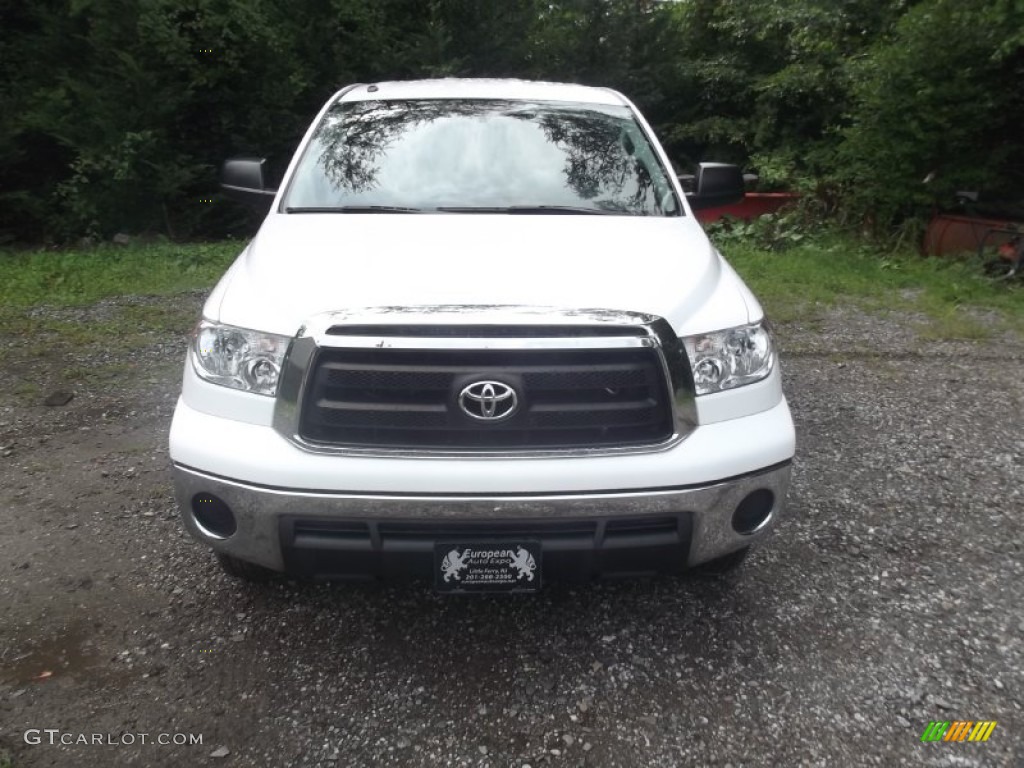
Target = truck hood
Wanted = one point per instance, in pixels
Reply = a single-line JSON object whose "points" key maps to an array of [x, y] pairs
{"points": [[299, 265]]}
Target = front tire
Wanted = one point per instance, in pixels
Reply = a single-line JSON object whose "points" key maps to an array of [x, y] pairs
{"points": [[724, 564], [246, 571]]}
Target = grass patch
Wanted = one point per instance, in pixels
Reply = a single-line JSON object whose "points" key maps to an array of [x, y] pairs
{"points": [[100, 373], [158, 318], [26, 390], [69, 278], [82, 276], [48, 334], [956, 325], [828, 269]]}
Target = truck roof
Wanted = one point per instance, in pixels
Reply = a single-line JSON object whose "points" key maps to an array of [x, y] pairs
{"points": [[482, 88]]}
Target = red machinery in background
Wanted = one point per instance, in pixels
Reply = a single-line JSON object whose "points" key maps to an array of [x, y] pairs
{"points": [[754, 204]]}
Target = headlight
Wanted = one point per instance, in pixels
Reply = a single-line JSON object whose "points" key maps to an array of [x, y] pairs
{"points": [[730, 358], [238, 358]]}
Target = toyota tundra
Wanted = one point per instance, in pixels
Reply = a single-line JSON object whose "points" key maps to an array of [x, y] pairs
{"points": [[480, 338]]}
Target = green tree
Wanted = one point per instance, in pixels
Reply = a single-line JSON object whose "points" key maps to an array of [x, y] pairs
{"points": [[115, 114], [939, 98]]}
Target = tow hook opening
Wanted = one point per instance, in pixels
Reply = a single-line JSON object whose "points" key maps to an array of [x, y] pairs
{"points": [[213, 516], [754, 512]]}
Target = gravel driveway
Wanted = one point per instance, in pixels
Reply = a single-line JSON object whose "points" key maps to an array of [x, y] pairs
{"points": [[890, 595]]}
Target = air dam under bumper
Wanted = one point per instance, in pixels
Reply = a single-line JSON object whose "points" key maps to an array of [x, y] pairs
{"points": [[345, 535]]}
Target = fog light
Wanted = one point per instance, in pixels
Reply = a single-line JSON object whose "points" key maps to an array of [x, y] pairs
{"points": [[213, 516], [753, 512]]}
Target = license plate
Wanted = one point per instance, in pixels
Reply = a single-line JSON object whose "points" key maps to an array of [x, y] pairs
{"points": [[487, 566]]}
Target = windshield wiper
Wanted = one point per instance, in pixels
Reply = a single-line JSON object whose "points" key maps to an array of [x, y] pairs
{"points": [[555, 209], [520, 209], [353, 209]]}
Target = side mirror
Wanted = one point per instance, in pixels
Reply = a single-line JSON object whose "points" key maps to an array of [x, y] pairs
{"points": [[716, 184], [243, 180]]}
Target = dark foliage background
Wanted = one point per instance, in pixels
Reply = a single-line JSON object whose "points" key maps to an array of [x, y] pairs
{"points": [[114, 114]]}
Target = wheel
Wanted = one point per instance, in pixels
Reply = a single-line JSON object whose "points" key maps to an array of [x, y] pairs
{"points": [[241, 569], [723, 564]]}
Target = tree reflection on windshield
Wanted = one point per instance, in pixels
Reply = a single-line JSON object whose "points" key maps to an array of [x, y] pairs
{"points": [[598, 156], [355, 141], [481, 153]]}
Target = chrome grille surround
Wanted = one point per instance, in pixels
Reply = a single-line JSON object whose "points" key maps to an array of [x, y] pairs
{"points": [[542, 328]]}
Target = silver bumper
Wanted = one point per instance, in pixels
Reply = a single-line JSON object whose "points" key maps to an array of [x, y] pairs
{"points": [[259, 510]]}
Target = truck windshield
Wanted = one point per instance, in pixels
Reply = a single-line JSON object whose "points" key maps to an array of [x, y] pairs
{"points": [[480, 156]]}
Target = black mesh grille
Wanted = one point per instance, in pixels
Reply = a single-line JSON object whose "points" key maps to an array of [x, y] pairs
{"points": [[397, 398]]}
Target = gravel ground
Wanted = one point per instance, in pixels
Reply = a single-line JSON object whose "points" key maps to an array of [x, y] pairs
{"points": [[889, 595]]}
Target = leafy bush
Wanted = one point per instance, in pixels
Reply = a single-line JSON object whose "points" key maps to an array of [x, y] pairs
{"points": [[932, 102], [769, 232]]}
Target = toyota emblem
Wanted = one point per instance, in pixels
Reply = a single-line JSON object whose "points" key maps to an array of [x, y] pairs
{"points": [[488, 400]]}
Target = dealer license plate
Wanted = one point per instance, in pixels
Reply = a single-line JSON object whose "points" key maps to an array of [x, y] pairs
{"points": [[487, 566]]}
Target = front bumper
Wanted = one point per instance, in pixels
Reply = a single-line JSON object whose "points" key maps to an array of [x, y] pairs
{"points": [[367, 535]]}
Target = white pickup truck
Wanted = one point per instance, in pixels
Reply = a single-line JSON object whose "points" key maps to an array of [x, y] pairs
{"points": [[480, 337]]}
